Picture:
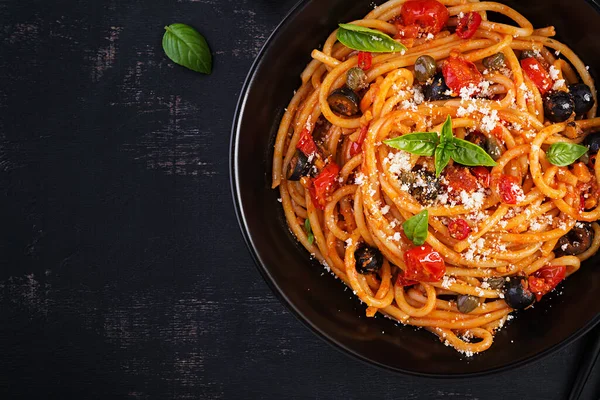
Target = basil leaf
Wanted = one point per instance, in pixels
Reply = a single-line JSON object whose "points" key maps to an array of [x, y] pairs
{"points": [[563, 154], [364, 39], [416, 228], [469, 154], [186, 47], [308, 230], [442, 158], [446, 133], [420, 143]]}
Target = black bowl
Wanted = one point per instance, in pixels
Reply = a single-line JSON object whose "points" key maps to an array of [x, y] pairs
{"points": [[320, 301]]}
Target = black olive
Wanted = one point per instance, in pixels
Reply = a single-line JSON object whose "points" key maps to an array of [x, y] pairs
{"points": [[425, 67], [299, 166], [517, 293], [436, 89], [496, 283], [592, 141], [558, 106], [344, 101], [582, 96], [576, 241], [368, 259], [466, 303]]}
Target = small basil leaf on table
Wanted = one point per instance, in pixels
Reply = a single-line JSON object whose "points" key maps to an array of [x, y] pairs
{"points": [[416, 228], [360, 38], [469, 154], [420, 143], [563, 154], [186, 47]]}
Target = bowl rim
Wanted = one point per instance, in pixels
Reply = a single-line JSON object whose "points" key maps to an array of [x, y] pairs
{"points": [[279, 292]]}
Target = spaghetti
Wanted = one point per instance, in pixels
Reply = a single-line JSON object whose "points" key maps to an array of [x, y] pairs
{"points": [[449, 240]]}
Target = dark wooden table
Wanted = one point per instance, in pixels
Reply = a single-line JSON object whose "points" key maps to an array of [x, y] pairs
{"points": [[122, 270]]}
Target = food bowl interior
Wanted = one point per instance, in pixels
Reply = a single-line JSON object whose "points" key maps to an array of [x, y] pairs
{"points": [[319, 300]]}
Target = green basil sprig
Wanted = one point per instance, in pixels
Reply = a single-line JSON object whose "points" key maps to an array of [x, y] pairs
{"points": [[420, 143], [185, 46], [563, 154], [308, 230], [360, 38], [416, 228], [444, 148]]}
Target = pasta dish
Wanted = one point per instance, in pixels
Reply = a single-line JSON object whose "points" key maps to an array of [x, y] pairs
{"points": [[442, 165]]}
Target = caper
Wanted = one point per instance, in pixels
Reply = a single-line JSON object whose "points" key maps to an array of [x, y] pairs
{"points": [[492, 147], [425, 67], [467, 303], [496, 283], [356, 79], [495, 61]]}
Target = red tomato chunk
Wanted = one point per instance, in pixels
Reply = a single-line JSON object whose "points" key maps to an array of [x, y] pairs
{"points": [[430, 15], [545, 279], [324, 185], [424, 264], [467, 25]]}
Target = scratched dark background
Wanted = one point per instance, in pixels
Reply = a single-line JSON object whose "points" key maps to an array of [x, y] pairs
{"points": [[122, 271]]}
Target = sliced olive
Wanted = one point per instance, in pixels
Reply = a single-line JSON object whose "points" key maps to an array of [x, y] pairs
{"points": [[356, 79], [576, 241], [466, 303], [492, 147], [425, 67], [496, 283], [592, 141], [368, 259], [299, 166], [436, 90], [558, 106], [582, 97], [517, 293], [495, 61], [344, 101]]}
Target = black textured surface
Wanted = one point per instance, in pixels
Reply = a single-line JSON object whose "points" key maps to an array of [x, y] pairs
{"points": [[122, 271]]}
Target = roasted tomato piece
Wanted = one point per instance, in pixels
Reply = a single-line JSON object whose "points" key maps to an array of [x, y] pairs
{"points": [[483, 175], [460, 73], [324, 184], [537, 73], [545, 279], [459, 229], [509, 189], [365, 60], [430, 15], [467, 25], [306, 144], [459, 179], [424, 264]]}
